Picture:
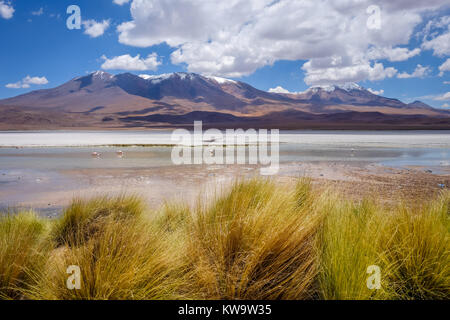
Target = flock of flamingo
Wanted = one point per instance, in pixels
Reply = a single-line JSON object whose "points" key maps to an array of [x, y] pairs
{"points": [[98, 154]]}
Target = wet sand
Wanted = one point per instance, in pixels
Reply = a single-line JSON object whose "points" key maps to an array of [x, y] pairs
{"points": [[49, 194]]}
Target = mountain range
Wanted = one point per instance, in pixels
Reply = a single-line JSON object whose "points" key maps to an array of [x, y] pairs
{"points": [[104, 101]]}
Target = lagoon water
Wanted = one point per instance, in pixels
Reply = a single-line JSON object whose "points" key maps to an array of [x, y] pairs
{"points": [[35, 165], [59, 150]]}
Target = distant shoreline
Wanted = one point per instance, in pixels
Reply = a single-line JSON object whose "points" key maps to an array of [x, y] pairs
{"points": [[353, 127]]}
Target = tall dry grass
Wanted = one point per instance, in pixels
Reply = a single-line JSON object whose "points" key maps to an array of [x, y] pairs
{"points": [[23, 252], [409, 244], [83, 220], [258, 240], [350, 242], [418, 252], [120, 253]]}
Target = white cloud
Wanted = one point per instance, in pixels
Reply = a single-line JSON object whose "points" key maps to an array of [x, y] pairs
{"points": [[27, 82], [95, 29], [278, 89], [445, 105], [436, 36], [39, 12], [127, 62], [433, 27], [440, 45], [392, 54], [17, 85], [121, 2], [35, 80], [446, 82], [6, 10], [444, 67], [234, 38], [444, 97], [376, 92], [420, 72], [322, 75]]}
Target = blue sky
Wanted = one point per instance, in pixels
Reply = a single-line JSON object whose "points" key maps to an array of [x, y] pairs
{"points": [[267, 44]]}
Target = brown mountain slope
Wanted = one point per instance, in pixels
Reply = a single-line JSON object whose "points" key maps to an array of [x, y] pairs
{"points": [[102, 100]]}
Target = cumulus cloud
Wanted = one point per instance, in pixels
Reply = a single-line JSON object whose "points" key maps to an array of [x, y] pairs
{"points": [[419, 72], [446, 105], [278, 89], [376, 92], [27, 82], [436, 36], [127, 62], [6, 10], [317, 74], [121, 2], [444, 67], [234, 38], [440, 45], [433, 27], [444, 97], [392, 54], [95, 29]]}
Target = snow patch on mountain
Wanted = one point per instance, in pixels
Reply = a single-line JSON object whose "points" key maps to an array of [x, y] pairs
{"points": [[183, 76], [156, 78], [165, 76], [331, 88], [327, 88], [220, 80], [102, 75]]}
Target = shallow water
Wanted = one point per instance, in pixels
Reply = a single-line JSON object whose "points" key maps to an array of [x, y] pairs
{"points": [[72, 150], [32, 162]]}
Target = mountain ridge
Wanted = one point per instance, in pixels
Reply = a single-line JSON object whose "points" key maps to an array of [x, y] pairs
{"points": [[111, 100]]}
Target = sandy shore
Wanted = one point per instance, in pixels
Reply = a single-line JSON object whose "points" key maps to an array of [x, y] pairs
{"points": [[188, 183]]}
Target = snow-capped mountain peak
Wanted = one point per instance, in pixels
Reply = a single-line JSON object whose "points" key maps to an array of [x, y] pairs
{"points": [[156, 78], [183, 76], [331, 88], [220, 80], [102, 75]]}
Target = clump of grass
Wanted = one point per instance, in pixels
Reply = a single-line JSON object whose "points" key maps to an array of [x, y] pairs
{"points": [[418, 252], [23, 252], [409, 244], [126, 261], [255, 242], [173, 217], [121, 254], [82, 220], [304, 194], [348, 245], [260, 240]]}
